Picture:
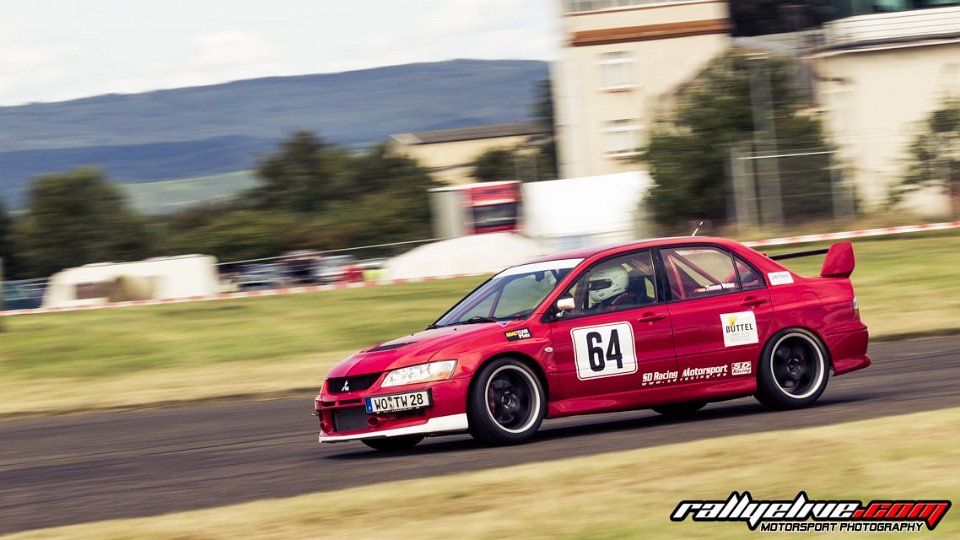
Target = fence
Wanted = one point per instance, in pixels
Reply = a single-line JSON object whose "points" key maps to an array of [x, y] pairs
{"points": [[885, 231], [772, 189], [301, 268]]}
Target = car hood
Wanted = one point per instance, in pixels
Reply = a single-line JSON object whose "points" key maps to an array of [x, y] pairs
{"points": [[410, 350]]}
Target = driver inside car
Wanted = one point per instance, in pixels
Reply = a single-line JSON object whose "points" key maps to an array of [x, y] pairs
{"points": [[607, 288]]}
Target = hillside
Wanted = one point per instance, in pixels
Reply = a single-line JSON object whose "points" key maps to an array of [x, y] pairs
{"points": [[215, 129]]}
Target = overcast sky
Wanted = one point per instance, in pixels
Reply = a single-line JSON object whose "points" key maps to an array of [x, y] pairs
{"points": [[53, 50]]}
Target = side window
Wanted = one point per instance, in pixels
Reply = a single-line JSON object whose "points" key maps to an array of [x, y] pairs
{"points": [[749, 278], [696, 272], [623, 282]]}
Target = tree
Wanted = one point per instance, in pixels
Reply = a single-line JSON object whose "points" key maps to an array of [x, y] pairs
{"points": [[543, 113], [379, 197], [390, 201], [687, 156], [6, 243], [494, 165], [305, 176], [76, 218], [243, 235], [535, 159], [380, 170], [935, 154]]}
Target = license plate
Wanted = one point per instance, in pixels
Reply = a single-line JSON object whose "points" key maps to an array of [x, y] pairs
{"points": [[398, 402]]}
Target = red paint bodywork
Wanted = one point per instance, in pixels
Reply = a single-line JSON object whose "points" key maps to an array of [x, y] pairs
{"points": [[673, 336]]}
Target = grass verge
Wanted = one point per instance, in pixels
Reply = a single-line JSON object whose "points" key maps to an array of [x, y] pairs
{"points": [[620, 495], [271, 345]]}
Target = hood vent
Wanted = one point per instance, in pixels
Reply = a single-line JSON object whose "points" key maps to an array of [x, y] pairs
{"points": [[387, 347]]}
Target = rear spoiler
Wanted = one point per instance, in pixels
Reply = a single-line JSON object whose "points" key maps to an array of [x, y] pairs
{"points": [[838, 263]]}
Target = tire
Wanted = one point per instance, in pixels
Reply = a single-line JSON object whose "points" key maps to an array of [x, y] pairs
{"points": [[679, 410], [394, 444], [506, 404], [794, 370]]}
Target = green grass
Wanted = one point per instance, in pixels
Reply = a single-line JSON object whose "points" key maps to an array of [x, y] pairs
{"points": [[172, 195], [262, 329], [142, 355], [620, 495]]}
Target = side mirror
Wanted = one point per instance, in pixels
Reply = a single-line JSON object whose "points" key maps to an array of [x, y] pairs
{"points": [[566, 304]]}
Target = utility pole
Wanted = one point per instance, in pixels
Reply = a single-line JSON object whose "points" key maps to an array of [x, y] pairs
{"points": [[744, 187], [2, 325], [765, 143]]}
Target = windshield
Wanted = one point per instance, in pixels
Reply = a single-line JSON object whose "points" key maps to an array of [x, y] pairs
{"points": [[511, 294], [494, 215]]}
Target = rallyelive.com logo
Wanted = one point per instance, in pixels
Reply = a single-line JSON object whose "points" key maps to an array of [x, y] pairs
{"points": [[805, 515]]}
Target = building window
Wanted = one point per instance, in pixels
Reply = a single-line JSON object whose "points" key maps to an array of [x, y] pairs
{"points": [[618, 69], [623, 137]]}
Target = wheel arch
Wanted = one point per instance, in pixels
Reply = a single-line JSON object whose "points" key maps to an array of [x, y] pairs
{"points": [[526, 360], [787, 329], [771, 392]]}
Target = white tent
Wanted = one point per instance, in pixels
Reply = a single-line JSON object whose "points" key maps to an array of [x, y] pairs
{"points": [[479, 253], [156, 278]]}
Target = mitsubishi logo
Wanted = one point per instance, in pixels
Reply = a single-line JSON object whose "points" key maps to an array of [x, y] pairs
{"points": [[346, 386]]}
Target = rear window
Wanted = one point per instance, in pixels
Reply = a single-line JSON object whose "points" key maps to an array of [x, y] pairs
{"points": [[696, 272]]}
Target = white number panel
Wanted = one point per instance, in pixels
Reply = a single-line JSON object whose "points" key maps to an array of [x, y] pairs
{"points": [[605, 350]]}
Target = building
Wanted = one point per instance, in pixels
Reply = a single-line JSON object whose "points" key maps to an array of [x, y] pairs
{"points": [[882, 68], [449, 154], [620, 59]]}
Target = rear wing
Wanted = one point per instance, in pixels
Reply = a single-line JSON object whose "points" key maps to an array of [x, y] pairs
{"points": [[838, 263]]}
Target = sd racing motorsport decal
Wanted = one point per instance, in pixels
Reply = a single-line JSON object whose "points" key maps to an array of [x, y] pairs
{"points": [[741, 368], [805, 515], [605, 350], [711, 372], [658, 377], [654, 378]]}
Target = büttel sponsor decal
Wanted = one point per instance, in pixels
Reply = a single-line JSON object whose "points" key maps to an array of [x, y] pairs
{"points": [[739, 328]]}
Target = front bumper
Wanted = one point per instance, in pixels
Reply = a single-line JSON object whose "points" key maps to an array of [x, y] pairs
{"points": [[441, 424], [343, 416]]}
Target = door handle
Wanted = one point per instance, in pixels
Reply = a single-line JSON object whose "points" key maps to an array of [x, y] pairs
{"points": [[651, 317], [753, 301]]}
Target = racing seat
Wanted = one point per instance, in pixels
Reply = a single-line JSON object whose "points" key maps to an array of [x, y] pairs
{"points": [[635, 295]]}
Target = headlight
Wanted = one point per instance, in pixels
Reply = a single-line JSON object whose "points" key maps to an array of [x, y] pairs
{"points": [[434, 371]]}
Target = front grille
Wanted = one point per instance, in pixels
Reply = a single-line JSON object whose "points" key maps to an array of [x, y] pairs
{"points": [[350, 419], [342, 385]]}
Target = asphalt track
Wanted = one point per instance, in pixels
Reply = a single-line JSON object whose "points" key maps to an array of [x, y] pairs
{"points": [[59, 471]]}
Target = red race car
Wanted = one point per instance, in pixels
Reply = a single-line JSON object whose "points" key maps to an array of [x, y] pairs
{"points": [[668, 324]]}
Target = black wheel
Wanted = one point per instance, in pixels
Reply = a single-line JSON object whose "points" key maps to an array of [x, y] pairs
{"points": [[794, 370], [506, 403], [394, 444], [679, 410]]}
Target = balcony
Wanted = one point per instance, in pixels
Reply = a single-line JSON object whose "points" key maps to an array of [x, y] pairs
{"points": [[879, 29]]}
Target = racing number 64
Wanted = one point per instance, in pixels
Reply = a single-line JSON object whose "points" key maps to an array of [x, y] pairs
{"points": [[596, 354], [604, 350]]}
